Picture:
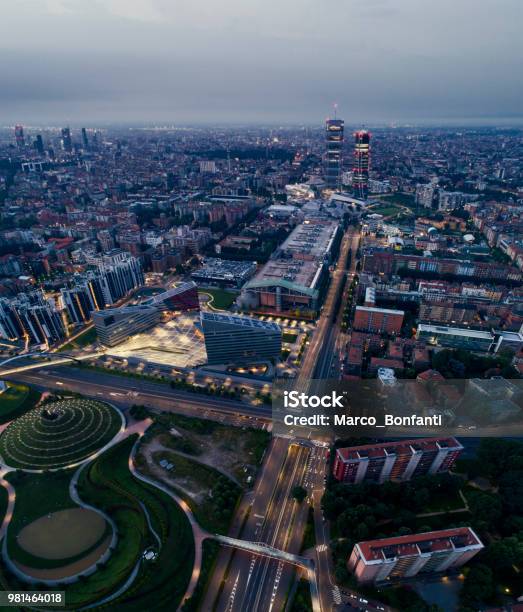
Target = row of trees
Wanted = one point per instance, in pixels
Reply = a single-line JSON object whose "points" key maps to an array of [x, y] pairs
{"points": [[461, 363], [495, 573], [372, 511]]}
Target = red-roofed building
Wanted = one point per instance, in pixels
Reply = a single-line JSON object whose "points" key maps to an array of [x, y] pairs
{"points": [[354, 359], [378, 320], [395, 350], [382, 362], [430, 376], [409, 555], [400, 460]]}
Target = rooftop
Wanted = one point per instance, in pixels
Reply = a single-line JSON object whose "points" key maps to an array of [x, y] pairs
{"points": [[239, 320], [380, 310], [419, 543], [311, 239], [300, 275], [454, 331], [177, 344], [165, 295], [226, 269], [400, 447]]}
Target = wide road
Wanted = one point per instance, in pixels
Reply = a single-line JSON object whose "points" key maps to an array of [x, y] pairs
{"points": [[328, 365], [249, 585], [248, 520], [317, 352], [279, 581], [127, 391], [260, 583], [248, 582]]}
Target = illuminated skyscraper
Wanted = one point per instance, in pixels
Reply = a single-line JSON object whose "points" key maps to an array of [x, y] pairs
{"points": [[66, 139], [19, 136], [334, 144], [360, 172]]}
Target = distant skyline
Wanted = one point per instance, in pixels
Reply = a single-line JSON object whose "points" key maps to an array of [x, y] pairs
{"points": [[454, 62]]}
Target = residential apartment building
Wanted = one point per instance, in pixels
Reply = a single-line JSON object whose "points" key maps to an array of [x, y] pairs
{"points": [[399, 461], [378, 320], [387, 263], [31, 316], [375, 561]]}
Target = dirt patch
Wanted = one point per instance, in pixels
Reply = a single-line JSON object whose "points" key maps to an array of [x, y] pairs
{"points": [[62, 534], [227, 449], [59, 573], [186, 485]]}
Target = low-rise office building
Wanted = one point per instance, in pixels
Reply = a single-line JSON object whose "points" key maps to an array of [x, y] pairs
{"points": [[182, 297], [292, 278], [456, 337], [115, 325], [224, 273]]}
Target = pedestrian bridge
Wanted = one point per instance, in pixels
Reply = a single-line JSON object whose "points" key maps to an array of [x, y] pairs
{"points": [[266, 550], [48, 359], [261, 548]]}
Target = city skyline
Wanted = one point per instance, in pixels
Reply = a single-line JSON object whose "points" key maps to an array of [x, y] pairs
{"points": [[261, 305], [155, 62]]}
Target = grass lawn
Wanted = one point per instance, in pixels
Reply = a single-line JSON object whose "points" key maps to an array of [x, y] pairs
{"points": [[80, 428], [385, 209], [248, 444], [253, 442], [84, 339], [36, 495], [187, 468], [17, 400], [440, 521], [406, 199], [289, 337], [108, 484], [222, 299]]}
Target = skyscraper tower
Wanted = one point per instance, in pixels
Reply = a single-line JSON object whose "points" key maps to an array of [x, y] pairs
{"points": [[360, 172], [19, 136], [66, 140], [39, 144], [334, 144], [85, 141]]}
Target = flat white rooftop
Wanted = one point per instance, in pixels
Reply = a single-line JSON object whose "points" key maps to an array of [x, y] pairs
{"points": [[454, 331], [379, 310]]}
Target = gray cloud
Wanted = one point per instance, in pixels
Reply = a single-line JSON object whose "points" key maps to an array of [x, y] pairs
{"points": [[260, 60]]}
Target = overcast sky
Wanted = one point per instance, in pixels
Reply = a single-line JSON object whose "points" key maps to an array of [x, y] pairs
{"points": [[273, 61]]}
